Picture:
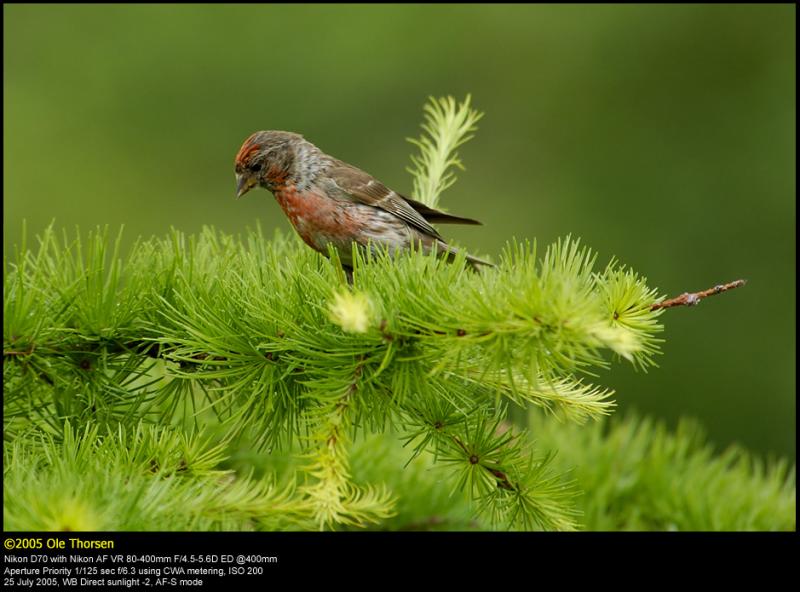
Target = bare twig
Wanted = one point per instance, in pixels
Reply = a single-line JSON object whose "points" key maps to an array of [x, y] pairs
{"points": [[694, 298]]}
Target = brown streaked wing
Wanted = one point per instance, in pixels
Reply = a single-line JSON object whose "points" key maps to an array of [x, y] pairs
{"points": [[367, 190]]}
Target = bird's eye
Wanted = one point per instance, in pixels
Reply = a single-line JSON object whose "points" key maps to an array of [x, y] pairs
{"points": [[254, 167]]}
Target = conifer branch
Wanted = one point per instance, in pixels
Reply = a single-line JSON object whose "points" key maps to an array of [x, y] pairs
{"points": [[623, 461], [269, 361], [694, 298], [333, 497], [218, 339]]}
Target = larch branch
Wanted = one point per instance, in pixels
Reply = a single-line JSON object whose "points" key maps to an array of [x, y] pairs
{"points": [[694, 298]]}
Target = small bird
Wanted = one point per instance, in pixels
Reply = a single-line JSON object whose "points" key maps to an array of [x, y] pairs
{"points": [[330, 202]]}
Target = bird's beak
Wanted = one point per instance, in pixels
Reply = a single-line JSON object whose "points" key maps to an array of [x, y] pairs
{"points": [[244, 183]]}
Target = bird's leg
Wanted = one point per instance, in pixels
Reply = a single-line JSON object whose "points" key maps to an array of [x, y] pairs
{"points": [[348, 271]]}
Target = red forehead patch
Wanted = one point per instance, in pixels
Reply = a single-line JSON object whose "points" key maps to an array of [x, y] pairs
{"points": [[247, 149]]}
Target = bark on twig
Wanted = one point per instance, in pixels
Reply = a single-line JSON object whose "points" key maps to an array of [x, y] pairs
{"points": [[694, 298]]}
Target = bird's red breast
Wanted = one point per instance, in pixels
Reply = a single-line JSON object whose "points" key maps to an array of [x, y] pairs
{"points": [[318, 219]]}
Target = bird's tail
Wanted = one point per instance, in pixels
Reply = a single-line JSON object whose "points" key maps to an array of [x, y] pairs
{"points": [[477, 263], [474, 262]]}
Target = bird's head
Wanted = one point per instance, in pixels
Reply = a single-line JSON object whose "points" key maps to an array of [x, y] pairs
{"points": [[264, 159]]}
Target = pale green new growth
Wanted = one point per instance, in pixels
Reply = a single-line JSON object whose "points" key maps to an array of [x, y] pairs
{"points": [[334, 497], [351, 311], [447, 126]]}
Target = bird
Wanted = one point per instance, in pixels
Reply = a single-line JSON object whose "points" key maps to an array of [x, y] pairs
{"points": [[332, 203]]}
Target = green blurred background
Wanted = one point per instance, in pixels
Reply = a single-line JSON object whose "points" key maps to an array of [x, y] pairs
{"points": [[663, 135]]}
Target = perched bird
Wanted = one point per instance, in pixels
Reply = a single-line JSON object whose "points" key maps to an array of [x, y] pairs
{"points": [[330, 202]]}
